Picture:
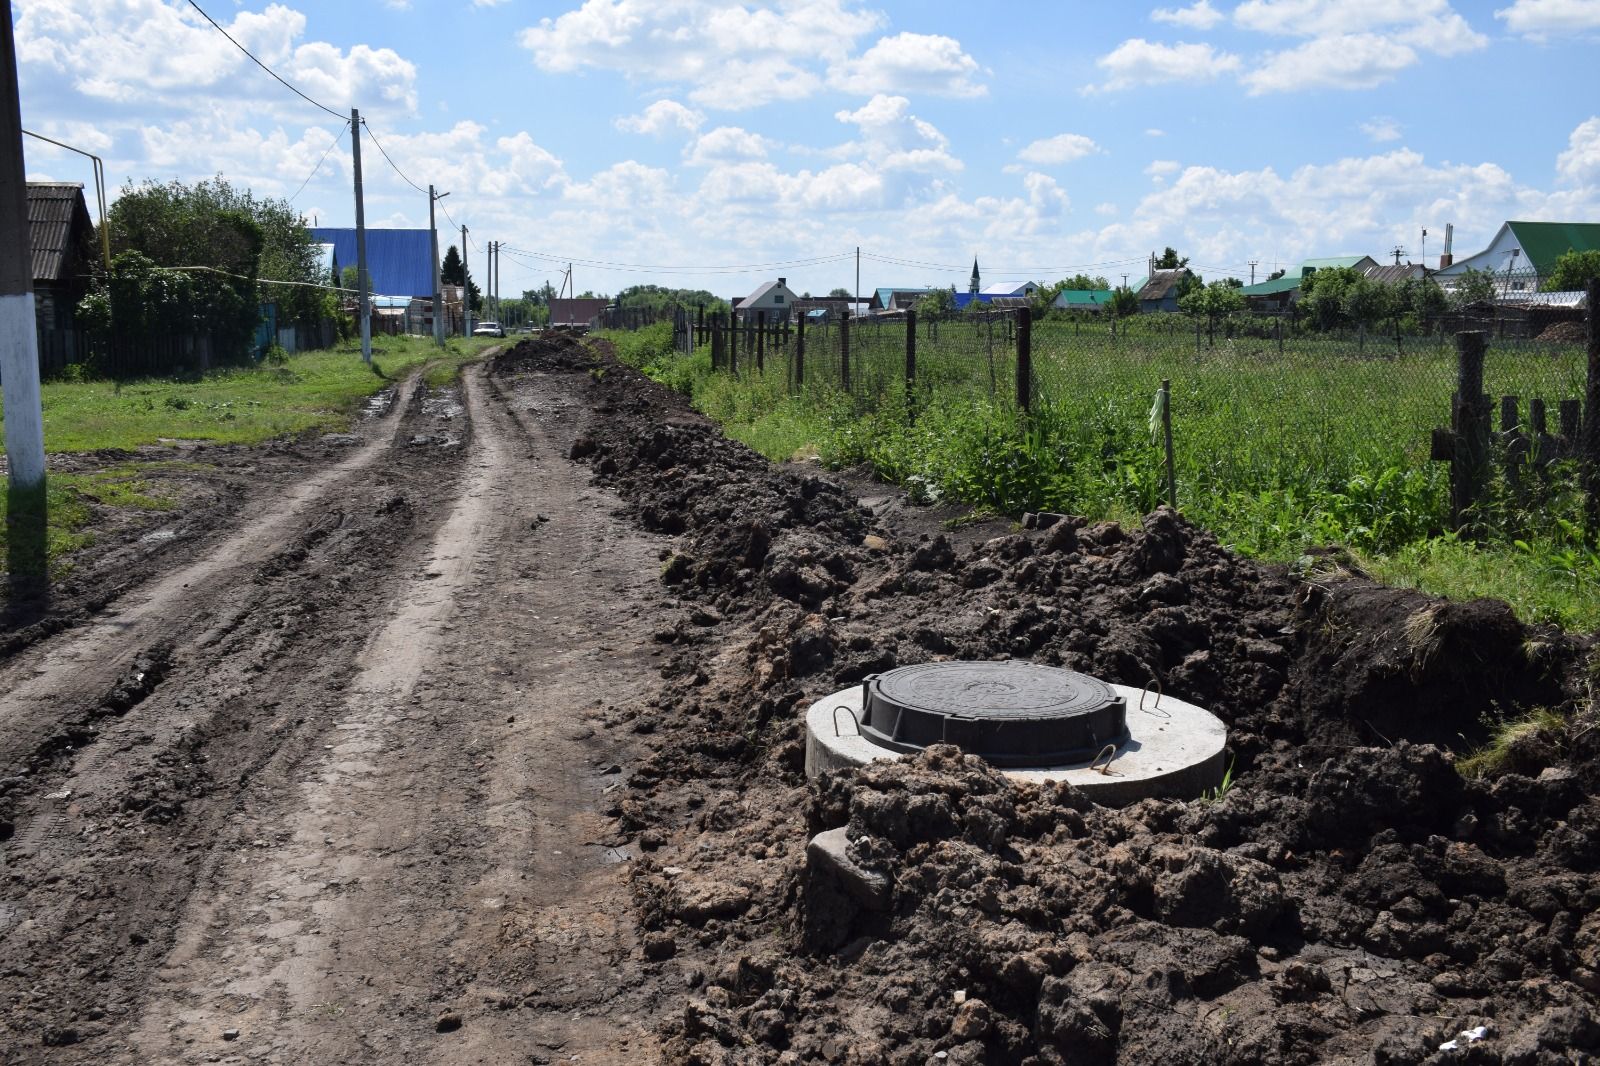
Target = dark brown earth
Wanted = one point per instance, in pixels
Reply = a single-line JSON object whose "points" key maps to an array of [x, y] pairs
{"points": [[486, 748]]}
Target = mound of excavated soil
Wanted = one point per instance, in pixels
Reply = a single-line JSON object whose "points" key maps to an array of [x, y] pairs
{"points": [[1565, 333], [1351, 898]]}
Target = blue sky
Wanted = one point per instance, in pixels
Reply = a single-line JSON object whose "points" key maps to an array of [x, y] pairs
{"points": [[706, 140]]}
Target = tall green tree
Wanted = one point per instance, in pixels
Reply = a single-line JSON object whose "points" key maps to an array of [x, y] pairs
{"points": [[1212, 302], [1169, 260], [450, 273], [1473, 288], [1573, 272], [1124, 302]]}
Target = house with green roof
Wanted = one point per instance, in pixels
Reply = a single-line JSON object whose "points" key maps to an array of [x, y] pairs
{"points": [[1523, 253], [1279, 293]]}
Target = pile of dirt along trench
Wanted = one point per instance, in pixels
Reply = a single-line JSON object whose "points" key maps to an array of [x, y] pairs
{"points": [[1354, 896]]}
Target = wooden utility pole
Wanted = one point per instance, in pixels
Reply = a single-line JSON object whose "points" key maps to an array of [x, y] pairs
{"points": [[466, 288], [363, 303], [19, 338], [438, 284]]}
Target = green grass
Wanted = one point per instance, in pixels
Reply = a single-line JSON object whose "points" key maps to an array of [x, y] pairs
{"points": [[1323, 442], [1500, 752], [310, 392], [68, 506]]}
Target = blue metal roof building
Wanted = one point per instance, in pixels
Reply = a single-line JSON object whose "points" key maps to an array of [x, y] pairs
{"points": [[399, 261]]}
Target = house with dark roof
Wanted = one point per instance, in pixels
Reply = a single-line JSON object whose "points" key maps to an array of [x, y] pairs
{"points": [[1161, 290], [894, 298], [1525, 253], [775, 298], [61, 236], [399, 261]]}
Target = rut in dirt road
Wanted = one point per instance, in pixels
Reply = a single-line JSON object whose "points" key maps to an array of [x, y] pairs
{"points": [[348, 805], [453, 815]]}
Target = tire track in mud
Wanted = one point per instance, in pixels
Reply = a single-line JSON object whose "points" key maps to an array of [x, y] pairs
{"points": [[49, 686], [159, 714], [434, 885]]}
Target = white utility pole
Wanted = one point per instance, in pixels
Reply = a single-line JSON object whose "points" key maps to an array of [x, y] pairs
{"points": [[19, 338], [466, 288], [438, 287], [365, 308], [488, 277]]}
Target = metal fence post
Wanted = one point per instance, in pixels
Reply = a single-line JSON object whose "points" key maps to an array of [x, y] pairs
{"points": [[1591, 419], [1024, 360], [911, 365], [844, 351], [1469, 424], [800, 353]]}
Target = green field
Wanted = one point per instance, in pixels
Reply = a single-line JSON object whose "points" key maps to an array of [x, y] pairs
{"points": [[1326, 442]]}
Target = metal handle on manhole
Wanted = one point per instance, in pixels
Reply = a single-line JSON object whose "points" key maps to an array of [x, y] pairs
{"points": [[1156, 707], [1109, 752], [853, 718]]}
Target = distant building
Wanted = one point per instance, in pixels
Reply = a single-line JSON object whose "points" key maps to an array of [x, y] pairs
{"points": [[1279, 293], [975, 286], [399, 261], [1082, 300], [1525, 253], [897, 299], [61, 236], [1013, 289], [831, 308], [775, 298], [582, 312], [1160, 290]]}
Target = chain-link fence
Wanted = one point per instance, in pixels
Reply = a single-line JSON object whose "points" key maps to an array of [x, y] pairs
{"points": [[1272, 426]]}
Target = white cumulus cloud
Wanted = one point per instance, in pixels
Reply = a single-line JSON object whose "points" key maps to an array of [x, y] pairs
{"points": [[911, 62], [661, 117], [1197, 16], [1137, 62], [1062, 148], [1540, 18]]}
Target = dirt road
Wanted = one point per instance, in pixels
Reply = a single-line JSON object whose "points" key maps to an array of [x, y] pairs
{"points": [[330, 792]]}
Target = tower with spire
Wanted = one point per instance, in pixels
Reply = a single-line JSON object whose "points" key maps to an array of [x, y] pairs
{"points": [[976, 283]]}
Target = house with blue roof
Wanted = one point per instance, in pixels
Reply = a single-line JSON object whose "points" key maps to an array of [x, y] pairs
{"points": [[399, 261]]}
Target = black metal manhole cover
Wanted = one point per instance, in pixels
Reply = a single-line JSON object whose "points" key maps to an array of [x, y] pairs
{"points": [[1010, 713]]}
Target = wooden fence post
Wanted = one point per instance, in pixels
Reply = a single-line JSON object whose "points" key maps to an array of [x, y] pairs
{"points": [[800, 353], [1469, 423], [700, 326], [844, 351], [1024, 360], [717, 354], [761, 342], [733, 342], [911, 365], [1591, 420]]}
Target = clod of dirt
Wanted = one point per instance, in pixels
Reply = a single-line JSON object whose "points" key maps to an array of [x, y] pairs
{"points": [[448, 1022]]}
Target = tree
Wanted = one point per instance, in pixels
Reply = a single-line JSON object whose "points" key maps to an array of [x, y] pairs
{"points": [[1323, 295], [1169, 260], [1214, 301], [1573, 272], [1276, 274], [840, 294], [1124, 302], [1233, 283], [450, 273], [1473, 287], [937, 302], [1080, 283]]}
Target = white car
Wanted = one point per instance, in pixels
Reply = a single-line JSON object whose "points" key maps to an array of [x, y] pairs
{"points": [[488, 329]]}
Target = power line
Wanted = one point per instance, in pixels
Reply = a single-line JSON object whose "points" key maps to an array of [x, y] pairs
{"points": [[656, 268], [391, 162], [260, 64], [337, 137]]}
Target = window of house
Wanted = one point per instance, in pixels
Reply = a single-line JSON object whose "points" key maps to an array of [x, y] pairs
{"points": [[777, 297]]}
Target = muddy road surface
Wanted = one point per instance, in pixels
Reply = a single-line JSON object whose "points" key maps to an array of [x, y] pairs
{"points": [[476, 738], [329, 790]]}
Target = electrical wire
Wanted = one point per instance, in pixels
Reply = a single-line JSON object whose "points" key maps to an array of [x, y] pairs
{"points": [[470, 241], [337, 137], [260, 64], [655, 268], [391, 162]]}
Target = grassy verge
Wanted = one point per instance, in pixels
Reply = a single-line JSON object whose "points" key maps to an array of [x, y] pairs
{"points": [[1274, 455], [309, 392]]}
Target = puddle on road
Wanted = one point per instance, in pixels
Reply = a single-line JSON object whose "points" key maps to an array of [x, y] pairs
{"points": [[159, 536]]}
